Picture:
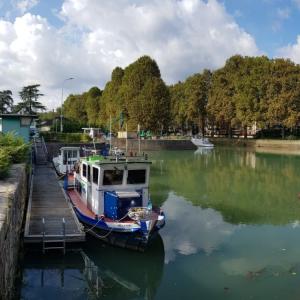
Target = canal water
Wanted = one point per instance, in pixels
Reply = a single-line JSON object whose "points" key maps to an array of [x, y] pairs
{"points": [[233, 232]]}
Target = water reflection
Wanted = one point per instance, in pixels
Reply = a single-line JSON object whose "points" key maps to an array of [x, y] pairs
{"points": [[94, 272], [232, 232], [244, 186], [203, 151], [195, 229]]}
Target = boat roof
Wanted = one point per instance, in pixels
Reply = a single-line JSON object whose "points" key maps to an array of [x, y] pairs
{"points": [[104, 160], [70, 148]]}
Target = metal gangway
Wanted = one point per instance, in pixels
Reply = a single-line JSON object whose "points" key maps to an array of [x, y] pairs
{"points": [[50, 218]]}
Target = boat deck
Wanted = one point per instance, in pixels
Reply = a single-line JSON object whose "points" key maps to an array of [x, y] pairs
{"points": [[48, 201]]}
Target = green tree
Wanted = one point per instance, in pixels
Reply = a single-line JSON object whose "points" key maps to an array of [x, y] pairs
{"points": [[197, 89], [74, 109], [6, 101], [178, 106], [135, 77], [152, 106], [283, 94], [92, 106], [29, 100], [111, 102]]}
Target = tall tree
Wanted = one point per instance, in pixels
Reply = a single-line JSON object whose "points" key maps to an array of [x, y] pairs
{"points": [[135, 77], [74, 108], [178, 106], [197, 90], [6, 101], [92, 106], [152, 106], [29, 100], [112, 104]]}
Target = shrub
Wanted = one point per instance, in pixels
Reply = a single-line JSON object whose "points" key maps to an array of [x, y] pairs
{"points": [[17, 154], [12, 150], [4, 163]]}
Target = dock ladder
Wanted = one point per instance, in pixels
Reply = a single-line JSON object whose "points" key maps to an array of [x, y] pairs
{"points": [[58, 242]]}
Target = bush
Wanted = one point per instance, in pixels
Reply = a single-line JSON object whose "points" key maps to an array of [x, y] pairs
{"points": [[17, 154], [12, 150], [4, 163]]}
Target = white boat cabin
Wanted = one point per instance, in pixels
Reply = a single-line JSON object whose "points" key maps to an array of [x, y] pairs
{"points": [[109, 187], [67, 158]]}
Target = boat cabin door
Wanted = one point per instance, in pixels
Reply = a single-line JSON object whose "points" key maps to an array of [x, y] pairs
{"points": [[95, 174]]}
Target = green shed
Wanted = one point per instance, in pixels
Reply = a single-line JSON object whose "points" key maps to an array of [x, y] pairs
{"points": [[19, 124]]}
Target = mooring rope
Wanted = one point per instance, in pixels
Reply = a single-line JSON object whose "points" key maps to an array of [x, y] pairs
{"points": [[110, 231]]}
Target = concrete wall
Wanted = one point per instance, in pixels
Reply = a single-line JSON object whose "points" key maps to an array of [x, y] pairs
{"points": [[152, 145], [13, 195], [149, 145]]}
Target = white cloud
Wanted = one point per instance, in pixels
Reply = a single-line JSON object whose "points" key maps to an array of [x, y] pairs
{"points": [[179, 235], [183, 36], [291, 51], [25, 5]]}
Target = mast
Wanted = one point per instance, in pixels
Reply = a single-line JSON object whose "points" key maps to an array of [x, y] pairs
{"points": [[126, 140], [139, 138], [110, 133]]}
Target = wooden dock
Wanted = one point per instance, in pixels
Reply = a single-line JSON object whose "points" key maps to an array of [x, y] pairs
{"points": [[50, 216]]}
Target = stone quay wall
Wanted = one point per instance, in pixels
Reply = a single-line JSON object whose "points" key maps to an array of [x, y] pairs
{"points": [[13, 197]]}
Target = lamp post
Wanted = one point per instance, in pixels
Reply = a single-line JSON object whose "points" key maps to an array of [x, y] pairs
{"points": [[62, 98]]}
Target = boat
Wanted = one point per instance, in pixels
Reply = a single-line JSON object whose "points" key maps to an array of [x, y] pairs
{"points": [[66, 160], [110, 195], [202, 142]]}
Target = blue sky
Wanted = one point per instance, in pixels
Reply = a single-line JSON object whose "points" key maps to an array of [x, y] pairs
{"points": [[43, 41], [273, 23]]}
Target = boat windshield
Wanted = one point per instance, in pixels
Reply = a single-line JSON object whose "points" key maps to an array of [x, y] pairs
{"points": [[113, 177], [136, 176], [69, 154]]}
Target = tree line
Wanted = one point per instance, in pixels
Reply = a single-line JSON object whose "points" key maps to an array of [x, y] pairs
{"points": [[246, 91]]}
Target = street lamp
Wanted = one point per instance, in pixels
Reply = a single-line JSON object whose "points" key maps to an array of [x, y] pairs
{"points": [[62, 98]]}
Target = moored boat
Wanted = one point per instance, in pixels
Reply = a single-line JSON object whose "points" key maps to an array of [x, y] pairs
{"points": [[111, 195], [202, 142], [66, 159]]}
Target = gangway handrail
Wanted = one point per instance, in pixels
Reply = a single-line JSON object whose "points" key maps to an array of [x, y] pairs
{"points": [[45, 147]]}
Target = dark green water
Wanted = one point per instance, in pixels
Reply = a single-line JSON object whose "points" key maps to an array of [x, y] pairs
{"points": [[233, 232]]}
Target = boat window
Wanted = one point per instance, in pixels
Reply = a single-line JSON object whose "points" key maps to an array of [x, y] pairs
{"points": [[74, 153], [84, 170], [112, 177], [65, 158], [136, 176], [95, 175]]}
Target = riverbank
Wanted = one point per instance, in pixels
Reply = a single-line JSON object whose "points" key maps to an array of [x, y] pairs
{"points": [[13, 195], [185, 144]]}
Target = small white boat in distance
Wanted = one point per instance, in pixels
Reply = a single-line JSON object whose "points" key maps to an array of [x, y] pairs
{"points": [[202, 142], [66, 160]]}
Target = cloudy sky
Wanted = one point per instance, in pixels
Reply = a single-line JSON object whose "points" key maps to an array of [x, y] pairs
{"points": [[43, 41]]}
